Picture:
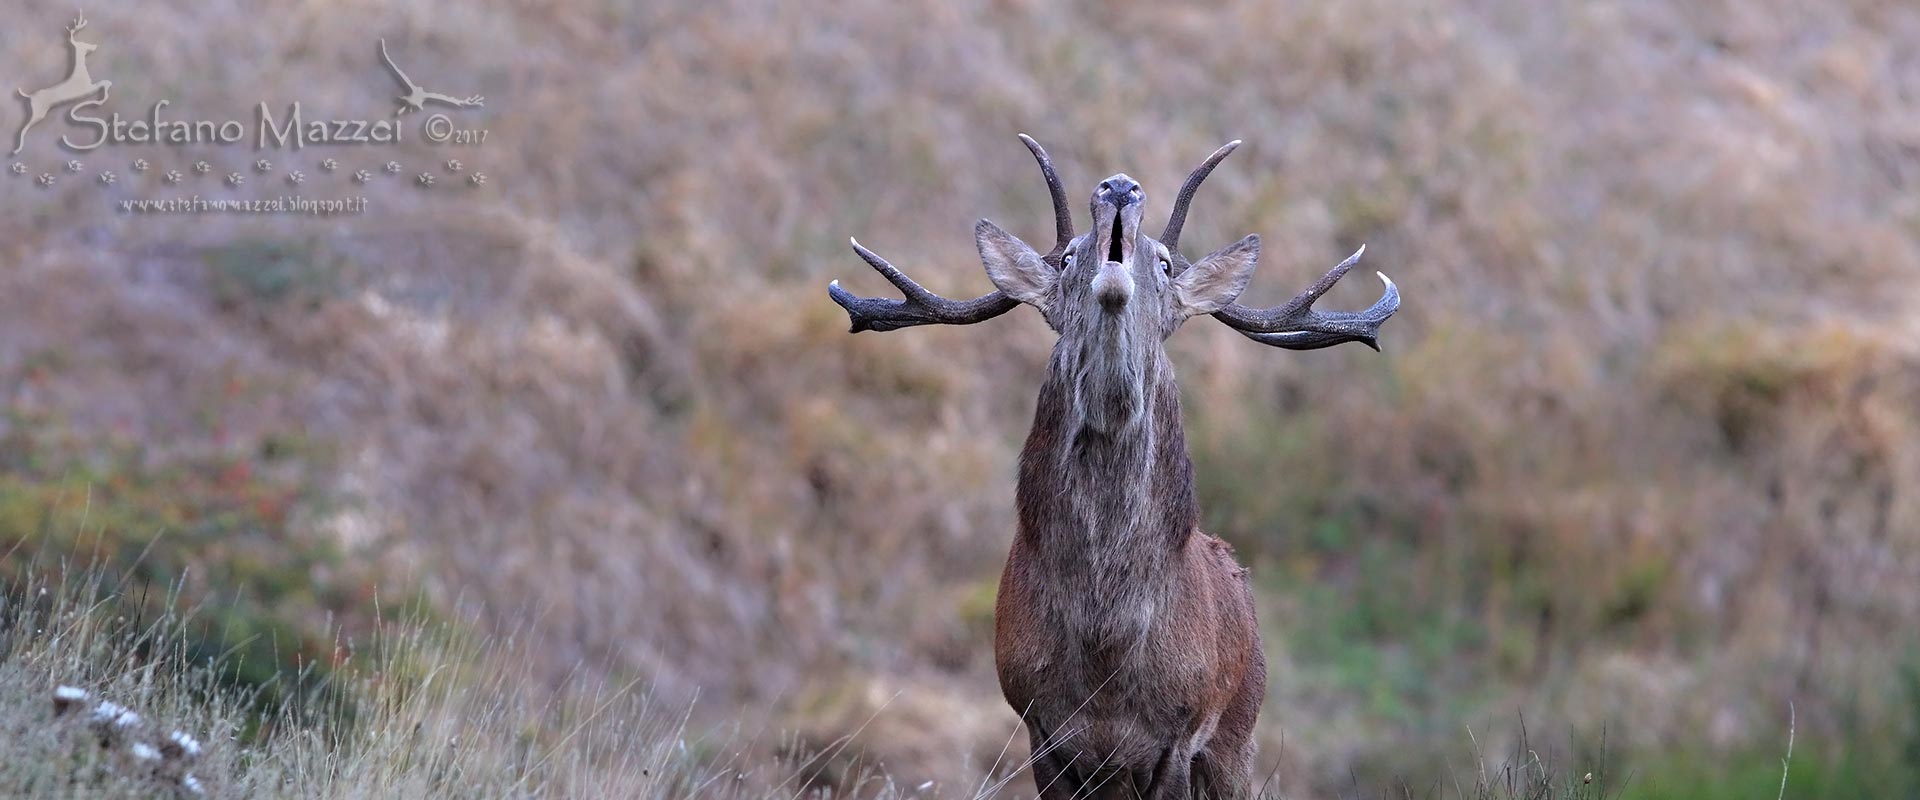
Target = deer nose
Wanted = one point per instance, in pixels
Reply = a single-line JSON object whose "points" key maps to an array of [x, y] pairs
{"points": [[1112, 286], [1118, 191]]}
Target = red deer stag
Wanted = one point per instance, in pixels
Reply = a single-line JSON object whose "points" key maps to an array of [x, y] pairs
{"points": [[1123, 635]]}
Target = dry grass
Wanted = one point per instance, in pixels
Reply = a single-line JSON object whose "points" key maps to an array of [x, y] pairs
{"points": [[419, 712], [1640, 454]]}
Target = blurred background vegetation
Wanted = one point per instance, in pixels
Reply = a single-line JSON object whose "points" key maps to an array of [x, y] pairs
{"points": [[1638, 463]]}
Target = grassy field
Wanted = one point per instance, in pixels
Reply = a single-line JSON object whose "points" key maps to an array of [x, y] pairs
{"points": [[1637, 463], [420, 708]]}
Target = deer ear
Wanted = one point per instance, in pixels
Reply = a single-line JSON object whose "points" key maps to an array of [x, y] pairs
{"points": [[1014, 267], [1218, 279]]}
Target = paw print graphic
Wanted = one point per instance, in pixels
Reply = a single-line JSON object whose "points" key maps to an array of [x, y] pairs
{"points": [[454, 165], [19, 168], [362, 176], [330, 165], [140, 165], [202, 167], [173, 176], [425, 179], [477, 179], [107, 177], [46, 179], [235, 179], [263, 165], [296, 177], [393, 168], [75, 166]]}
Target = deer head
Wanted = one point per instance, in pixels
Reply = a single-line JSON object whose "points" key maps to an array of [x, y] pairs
{"points": [[1136, 286], [80, 47], [1116, 277]]}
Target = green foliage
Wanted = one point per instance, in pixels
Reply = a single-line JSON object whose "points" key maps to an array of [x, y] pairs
{"points": [[1690, 775], [252, 272], [212, 534], [1366, 635]]}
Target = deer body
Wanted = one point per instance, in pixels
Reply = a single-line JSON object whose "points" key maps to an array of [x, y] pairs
{"points": [[79, 84], [1123, 635]]}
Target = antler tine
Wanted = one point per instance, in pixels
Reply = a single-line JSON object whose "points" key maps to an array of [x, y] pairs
{"points": [[920, 307], [1295, 325], [1062, 214], [79, 24], [1171, 236]]}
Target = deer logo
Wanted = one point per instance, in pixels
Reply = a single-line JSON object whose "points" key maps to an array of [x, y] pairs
{"points": [[416, 97], [78, 85], [1123, 635]]}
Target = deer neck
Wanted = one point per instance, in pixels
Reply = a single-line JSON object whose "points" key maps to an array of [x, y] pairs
{"points": [[1105, 481], [77, 73]]}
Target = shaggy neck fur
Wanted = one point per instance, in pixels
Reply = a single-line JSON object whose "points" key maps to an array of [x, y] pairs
{"points": [[1106, 488]]}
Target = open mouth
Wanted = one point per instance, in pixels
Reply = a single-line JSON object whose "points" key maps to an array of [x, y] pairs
{"points": [[1120, 238], [1112, 284]]}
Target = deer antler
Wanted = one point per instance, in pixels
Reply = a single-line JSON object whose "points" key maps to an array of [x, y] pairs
{"points": [[922, 307], [1170, 236], [1062, 215], [1295, 325], [79, 24]]}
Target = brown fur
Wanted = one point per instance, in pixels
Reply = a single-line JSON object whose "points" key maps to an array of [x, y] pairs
{"points": [[1124, 635], [1149, 688]]}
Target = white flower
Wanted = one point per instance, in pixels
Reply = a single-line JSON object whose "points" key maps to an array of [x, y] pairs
{"points": [[263, 165], [477, 179], [139, 165], [202, 167], [107, 177], [453, 165], [426, 179], [329, 165], [235, 179], [46, 179], [362, 176], [109, 711], [296, 176], [188, 744], [173, 176], [75, 166], [393, 168]]}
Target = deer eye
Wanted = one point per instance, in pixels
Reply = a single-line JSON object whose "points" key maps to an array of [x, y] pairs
{"points": [[1166, 266]]}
